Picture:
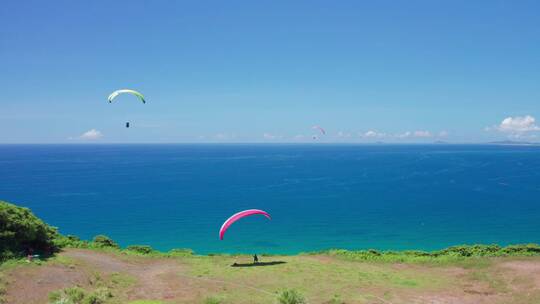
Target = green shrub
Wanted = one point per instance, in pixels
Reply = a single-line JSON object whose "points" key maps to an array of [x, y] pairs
{"points": [[522, 250], [77, 295], [141, 249], [336, 299], [93, 299], [21, 230], [70, 241], [103, 241], [180, 252], [291, 296], [55, 296], [212, 300], [454, 253], [98, 296]]}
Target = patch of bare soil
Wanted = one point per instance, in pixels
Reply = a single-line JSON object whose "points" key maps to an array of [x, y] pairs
{"points": [[157, 279], [524, 271], [516, 281], [29, 285]]}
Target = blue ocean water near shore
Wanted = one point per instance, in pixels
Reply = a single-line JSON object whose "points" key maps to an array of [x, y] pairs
{"points": [[320, 196]]}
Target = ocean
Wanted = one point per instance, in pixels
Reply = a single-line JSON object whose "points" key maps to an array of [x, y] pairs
{"points": [[320, 196]]}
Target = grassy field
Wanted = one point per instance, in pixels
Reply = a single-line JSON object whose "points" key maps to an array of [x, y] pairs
{"points": [[112, 276], [98, 271]]}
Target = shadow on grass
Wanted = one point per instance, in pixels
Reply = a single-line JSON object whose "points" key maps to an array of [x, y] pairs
{"points": [[258, 264]]}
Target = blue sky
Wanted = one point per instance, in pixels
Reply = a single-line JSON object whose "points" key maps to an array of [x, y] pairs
{"points": [[267, 71]]}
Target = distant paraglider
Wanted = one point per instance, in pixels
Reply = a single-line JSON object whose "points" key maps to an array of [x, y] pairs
{"points": [[238, 216], [126, 91], [323, 132], [320, 129]]}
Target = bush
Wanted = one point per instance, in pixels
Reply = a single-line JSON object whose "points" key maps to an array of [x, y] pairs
{"points": [[55, 296], [70, 241], [212, 300], [77, 295], [141, 249], [21, 232], [180, 252], [99, 296], [291, 296], [103, 241], [454, 253], [523, 250], [336, 299]]}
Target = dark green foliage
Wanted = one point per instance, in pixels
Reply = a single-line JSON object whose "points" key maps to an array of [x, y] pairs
{"points": [[103, 241], [291, 296], [448, 254], [21, 232], [141, 249], [70, 241], [471, 251], [522, 250]]}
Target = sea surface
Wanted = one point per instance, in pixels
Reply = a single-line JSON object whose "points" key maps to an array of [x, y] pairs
{"points": [[320, 196]]}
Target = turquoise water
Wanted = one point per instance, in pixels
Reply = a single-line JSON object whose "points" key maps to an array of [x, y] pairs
{"points": [[320, 196]]}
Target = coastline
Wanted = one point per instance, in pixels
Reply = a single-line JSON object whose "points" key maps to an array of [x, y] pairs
{"points": [[66, 269], [452, 253]]}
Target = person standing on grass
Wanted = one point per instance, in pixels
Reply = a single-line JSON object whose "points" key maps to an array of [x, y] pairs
{"points": [[255, 259]]}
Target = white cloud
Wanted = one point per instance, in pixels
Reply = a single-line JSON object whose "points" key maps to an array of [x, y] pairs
{"points": [[271, 136], [372, 134], [418, 133], [443, 134], [518, 124], [91, 135], [422, 133], [404, 135]]}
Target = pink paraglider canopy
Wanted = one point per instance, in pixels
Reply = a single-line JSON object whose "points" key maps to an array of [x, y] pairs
{"points": [[238, 216]]}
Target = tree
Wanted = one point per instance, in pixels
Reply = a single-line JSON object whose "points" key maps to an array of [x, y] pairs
{"points": [[21, 232]]}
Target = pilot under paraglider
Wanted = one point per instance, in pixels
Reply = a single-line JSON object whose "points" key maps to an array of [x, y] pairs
{"points": [[128, 91]]}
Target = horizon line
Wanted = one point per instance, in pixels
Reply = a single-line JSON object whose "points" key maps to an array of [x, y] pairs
{"points": [[502, 143]]}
